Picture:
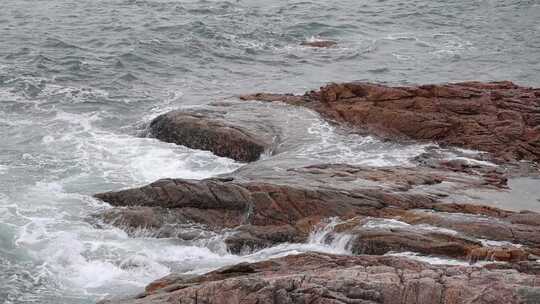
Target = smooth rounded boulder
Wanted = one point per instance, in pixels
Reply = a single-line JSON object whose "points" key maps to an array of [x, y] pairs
{"points": [[198, 131]]}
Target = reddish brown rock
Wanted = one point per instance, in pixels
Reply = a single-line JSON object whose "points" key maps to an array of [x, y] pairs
{"points": [[367, 235], [264, 213], [270, 213], [305, 193], [311, 194], [530, 267], [267, 204], [510, 227], [320, 278], [379, 241], [511, 254], [198, 131], [500, 117], [249, 238]]}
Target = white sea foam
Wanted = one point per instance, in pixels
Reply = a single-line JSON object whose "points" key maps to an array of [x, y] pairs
{"points": [[438, 45], [8, 95], [464, 216], [392, 224], [168, 104], [81, 262], [285, 249], [385, 223], [73, 95], [119, 157], [472, 161], [90, 260], [492, 243], [333, 146], [50, 216], [315, 39], [437, 260], [326, 236], [437, 229], [469, 156]]}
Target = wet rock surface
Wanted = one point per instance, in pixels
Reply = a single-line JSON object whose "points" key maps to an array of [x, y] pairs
{"points": [[370, 213], [264, 213], [499, 117], [519, 228], [320, 278], [200, 131]]}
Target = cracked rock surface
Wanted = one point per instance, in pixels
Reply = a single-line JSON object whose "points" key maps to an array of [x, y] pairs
{"points": [[322, 278]]}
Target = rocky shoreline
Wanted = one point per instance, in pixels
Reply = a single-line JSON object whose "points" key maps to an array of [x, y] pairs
{"points": [[375, 211], [499, 117]]}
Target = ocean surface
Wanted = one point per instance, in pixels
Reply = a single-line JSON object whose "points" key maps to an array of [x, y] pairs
{"points": [[80, 79]]}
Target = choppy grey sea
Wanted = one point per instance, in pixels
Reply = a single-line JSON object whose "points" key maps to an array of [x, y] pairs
{"points": [[79, 79]]}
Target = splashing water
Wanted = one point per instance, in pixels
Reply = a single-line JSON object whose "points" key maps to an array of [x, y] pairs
{"points": [[326, 236], [79, 78]]}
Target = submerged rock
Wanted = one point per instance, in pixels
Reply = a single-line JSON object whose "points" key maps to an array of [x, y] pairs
{"points": [[319, 43], [322, 278], [498, 117], [198, 131]]}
